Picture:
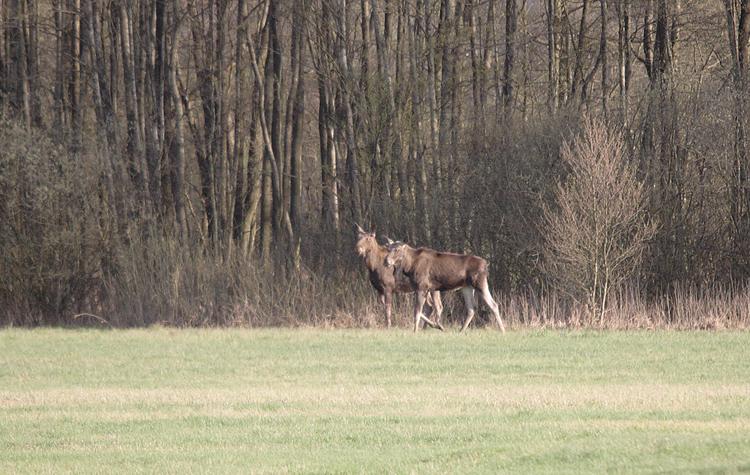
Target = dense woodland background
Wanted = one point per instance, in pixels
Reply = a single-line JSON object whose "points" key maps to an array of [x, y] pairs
{"points": [[196, 162]]}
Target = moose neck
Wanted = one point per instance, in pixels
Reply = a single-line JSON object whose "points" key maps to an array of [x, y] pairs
{"points": [[407, 259], [374, 257]]}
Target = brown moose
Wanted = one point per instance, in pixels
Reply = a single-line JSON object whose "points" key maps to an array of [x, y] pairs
{"points": [[430, 271], [388, 280]]}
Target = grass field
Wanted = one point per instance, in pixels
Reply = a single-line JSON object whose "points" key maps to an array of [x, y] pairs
{"points": [[301, 400]]}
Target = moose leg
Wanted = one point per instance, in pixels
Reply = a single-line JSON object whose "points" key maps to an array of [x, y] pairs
{"points": [[437, 304], [433, 324], [419, 298], [436, 323], [437, 309], [484, 288], [427, 309], [388, 300], [468, 293]]}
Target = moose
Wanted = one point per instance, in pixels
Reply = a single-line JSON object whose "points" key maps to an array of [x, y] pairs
{"points": [[388, 280], [430, 271]]}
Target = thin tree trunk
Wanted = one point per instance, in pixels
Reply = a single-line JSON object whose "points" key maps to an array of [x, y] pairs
{"points": [[603, 54], [511, 25], [205, 141], [104, 112], [177, 149], [446, 82], [553, 52], [271, 172], [580, 47], [419, 149], [648, 39], [382, 47], [74, 81], [273, 91], [662, 43], [34, 78], [347, 80], [58, 94], [738, 31], [157, 120], [298, 118], [137, 166], [328, 162], [471, 21], [18, 61], [623, 35]]}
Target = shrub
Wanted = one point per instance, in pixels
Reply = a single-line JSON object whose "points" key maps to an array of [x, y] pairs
{"points": [[597, 232], [53, 241]]}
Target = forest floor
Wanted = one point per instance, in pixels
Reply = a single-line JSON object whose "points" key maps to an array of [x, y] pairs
{"points": [[315, 400]]}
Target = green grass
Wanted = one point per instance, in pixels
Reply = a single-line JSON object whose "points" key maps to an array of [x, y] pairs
{"points": [[300, 400]]}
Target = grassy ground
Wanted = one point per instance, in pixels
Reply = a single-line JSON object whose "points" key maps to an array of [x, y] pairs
{"points": [[162, 400]]}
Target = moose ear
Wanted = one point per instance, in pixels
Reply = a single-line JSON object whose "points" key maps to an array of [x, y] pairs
{"points": [[360, 230], [388, 240]]}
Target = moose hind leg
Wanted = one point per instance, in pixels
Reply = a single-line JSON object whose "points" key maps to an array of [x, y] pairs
{"points": [[468, 294], [437, 308], [419, 298], [437, 303], [433, 324], [484, 288]]}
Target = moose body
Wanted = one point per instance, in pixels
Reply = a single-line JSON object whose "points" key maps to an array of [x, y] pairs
{"points": [[430, 270], [388, 280]]}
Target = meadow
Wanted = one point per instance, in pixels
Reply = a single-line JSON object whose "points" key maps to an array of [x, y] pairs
{"points": [[318, 400]]}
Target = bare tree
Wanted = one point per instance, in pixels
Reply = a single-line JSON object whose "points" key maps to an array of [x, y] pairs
{"points": [[597, 231]]}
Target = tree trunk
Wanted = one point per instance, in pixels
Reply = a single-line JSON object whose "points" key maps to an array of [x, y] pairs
{"points": [[177, 148], [205, 146], [74, 81], [18, 61], [554, 8], [156, 119], [418, 147], [623, 36], [603, 53], [662, 64], [136, 163], [347, 82], [329, 203], [34, 78], [58, 94], [471, 20], [738, 30], [511, 25], [445, 33], [104, 111], [298, 118]]}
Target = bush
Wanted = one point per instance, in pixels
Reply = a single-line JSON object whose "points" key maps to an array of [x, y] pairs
{"points": [[53, 242], [598, 231]]}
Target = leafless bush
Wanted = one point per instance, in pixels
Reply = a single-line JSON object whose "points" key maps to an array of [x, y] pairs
{"points": [[597, 232], [714, 307], [161, 280], [52, 229]]}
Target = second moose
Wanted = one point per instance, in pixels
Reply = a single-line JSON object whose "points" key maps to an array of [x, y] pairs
{"points": [[430, 270]]}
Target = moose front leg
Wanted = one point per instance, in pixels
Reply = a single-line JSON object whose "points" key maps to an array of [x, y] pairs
{"points": [[388, 300], [419, 315], [437, 304]]}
